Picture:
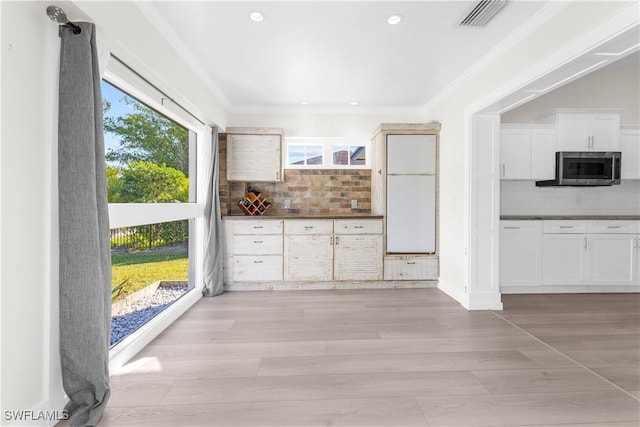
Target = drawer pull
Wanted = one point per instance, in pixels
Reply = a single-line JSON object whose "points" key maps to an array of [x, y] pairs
{"points": [[258, 241], [257, 227], [512, 228], [614, 226], [411, 262], [257, 262], [566, 226], [308, 227], [359, 226]]}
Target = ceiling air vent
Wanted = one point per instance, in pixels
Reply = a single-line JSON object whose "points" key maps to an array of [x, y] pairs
{"points": [[482, 13]]}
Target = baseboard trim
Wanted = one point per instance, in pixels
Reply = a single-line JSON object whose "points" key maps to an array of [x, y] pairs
{"points": [[319, 286], [570, 289]]}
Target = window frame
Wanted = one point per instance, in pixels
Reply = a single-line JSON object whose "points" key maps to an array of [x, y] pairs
{"points": [[328, 144]]}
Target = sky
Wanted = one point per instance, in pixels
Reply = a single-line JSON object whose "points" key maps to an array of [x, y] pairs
{"points": [[118, 108]]}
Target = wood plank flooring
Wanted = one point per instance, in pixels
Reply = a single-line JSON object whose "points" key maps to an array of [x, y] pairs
{"points": [[398, 357]]}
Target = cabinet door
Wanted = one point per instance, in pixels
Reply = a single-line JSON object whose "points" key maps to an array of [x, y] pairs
{"points": [[515, 153], [253, 157], [563, 259], [630, 148], [543, 153], [521, 253], [573, 132], [308, 257], [358, 257], [605, 132], [611, 259]]}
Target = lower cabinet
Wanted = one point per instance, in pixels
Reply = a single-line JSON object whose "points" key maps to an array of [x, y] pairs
{"points": [[564, 254], [322, 250], [521, 253], [411, 267], [308, 250]]}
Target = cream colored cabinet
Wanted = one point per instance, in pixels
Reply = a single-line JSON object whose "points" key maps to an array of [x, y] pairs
{"points": [[527, 152], [308, 250], [410, 267], [322, 250], [256, 250], [358, 250], [254, 154], [584, 129], [520, 253]]}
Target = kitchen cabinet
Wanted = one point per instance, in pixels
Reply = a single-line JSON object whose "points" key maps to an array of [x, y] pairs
{"points": [[585, 130], [521, 253], [590, 253], [341, 249], [254, 154], [257, 250], [630, 148], [410, 267], [527, 152], [358, 250], [569, 256], [308, 250]]}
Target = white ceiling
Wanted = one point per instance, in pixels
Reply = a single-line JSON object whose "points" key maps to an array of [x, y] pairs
{"points": [[329, 53]]}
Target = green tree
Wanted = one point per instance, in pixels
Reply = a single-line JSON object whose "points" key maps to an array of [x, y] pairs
{"points": [[148, 136], [147, 182], [114, 184]]}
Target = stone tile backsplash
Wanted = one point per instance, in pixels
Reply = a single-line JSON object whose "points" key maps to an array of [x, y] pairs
{"points": [[309, 191], [524, 198]]}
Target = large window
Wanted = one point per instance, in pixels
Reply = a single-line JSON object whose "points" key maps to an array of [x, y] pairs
{"points": [[151, 182]]}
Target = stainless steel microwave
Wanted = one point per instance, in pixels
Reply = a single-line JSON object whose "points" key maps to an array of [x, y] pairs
{"points": [[585, 168]]}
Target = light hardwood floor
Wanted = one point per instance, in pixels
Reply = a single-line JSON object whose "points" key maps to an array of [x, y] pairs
{"points": [[387, 358]]}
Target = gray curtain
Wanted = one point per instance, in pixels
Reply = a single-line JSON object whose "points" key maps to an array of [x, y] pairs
{"points": [[85, 260], [214, 250]]}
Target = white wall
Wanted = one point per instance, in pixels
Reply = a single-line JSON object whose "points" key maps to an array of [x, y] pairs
{"points": [[27, 97], [614, 87], [356, 126], [566, 23], [29, 368]]}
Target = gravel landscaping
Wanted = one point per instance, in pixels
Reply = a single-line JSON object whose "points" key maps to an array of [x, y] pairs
{"points": [[143, 310]]}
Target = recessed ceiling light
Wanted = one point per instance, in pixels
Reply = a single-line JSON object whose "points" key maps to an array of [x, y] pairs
{"points": [[305, 103], [353, 103], [394, 19], [256, 16]]}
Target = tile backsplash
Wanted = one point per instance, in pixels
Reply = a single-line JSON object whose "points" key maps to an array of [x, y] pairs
{"points": [[309, 191], [524, 198]]}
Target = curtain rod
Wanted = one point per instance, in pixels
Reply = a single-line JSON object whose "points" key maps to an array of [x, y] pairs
{"points": [[167, 97]]}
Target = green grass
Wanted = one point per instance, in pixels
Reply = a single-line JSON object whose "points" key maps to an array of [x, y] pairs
{"points": [[140, 269]]}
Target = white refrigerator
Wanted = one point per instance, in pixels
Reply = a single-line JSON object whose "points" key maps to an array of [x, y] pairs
{"points": [[411, 193]]}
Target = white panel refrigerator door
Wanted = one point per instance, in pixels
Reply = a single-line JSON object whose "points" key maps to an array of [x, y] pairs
{"points": [[411, 214], [411, 154]]}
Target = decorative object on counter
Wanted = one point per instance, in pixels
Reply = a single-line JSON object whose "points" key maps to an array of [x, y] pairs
{"points": [[254, 204]]}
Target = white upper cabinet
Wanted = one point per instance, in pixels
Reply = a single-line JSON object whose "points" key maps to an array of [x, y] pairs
{"points": [[585, 130], [527, 152], [254, 154], [630, 147]]}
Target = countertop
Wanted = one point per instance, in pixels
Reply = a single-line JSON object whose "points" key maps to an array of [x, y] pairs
{"points": [[295, 216], [569, 217]]}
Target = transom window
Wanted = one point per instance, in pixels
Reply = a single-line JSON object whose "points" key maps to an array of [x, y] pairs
{"points": [[325, 153]]}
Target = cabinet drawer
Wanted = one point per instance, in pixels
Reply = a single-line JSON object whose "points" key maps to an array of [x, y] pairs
{"points": [[257, 226], [305, 226], [248, 268], [357, 226], [564, 227], [270, 244], [612, 227], [410, 268]]}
